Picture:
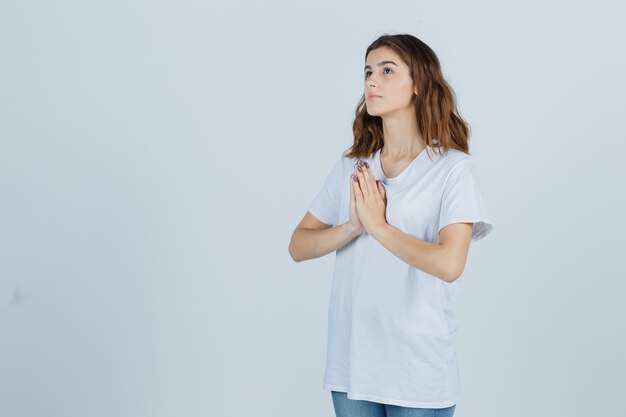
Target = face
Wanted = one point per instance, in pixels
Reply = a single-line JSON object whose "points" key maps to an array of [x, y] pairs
{"points": [[387, 77]]}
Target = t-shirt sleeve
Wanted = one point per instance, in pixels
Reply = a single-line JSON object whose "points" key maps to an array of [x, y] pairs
{"points": [[463, 201], [325, 205]]}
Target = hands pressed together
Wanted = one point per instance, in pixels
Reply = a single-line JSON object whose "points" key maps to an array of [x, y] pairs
{"points": [[368, 201]]}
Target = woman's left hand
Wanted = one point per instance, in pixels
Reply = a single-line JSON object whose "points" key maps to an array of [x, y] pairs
{"points": [[371, 200]]}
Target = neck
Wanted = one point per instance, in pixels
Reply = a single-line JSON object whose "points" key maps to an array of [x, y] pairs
{"points": [[401, 136]]}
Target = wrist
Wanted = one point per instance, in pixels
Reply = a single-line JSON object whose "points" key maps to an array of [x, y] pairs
{"points": [[378, 229], [351, 230]]}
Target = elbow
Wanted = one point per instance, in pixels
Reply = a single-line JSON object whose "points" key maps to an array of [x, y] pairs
{"points": [[455, 272], [295, 259], [292, 253], [452, 264], [451, 277]]}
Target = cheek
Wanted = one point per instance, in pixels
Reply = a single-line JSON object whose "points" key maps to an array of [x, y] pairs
{"points": [[403, 95], [402, 90]]}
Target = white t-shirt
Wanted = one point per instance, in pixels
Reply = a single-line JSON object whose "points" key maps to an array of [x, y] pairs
{"points": [[392, 327]]}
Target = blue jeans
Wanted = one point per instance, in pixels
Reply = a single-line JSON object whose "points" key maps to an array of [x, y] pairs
{"points": [[345, 407]]}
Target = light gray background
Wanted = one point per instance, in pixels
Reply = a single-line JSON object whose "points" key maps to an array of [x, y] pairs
{"points": [[156, 156]]}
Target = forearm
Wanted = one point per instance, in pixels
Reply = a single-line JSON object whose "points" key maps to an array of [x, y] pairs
{"points": [[311, 243], [429, 257]]}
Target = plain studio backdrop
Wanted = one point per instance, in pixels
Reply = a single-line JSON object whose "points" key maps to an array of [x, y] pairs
{"points": [[156, 156]]}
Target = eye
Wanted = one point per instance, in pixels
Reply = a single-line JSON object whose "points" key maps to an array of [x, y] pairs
{"points": [[384, 69]]}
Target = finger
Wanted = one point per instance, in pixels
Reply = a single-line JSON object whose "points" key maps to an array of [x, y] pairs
{"points": [[369, 174], [382, 190], [369, 177], [352, 185], [360, 182], [363, 183], [358, 194]]}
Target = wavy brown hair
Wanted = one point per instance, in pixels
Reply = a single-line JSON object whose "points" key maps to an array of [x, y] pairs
{"points": [[438, 119]]}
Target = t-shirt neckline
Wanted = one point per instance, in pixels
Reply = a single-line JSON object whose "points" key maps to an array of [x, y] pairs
{"points": [[404, 173]]}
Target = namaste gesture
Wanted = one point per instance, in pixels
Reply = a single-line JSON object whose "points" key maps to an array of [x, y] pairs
{"points": [[368, 201]]}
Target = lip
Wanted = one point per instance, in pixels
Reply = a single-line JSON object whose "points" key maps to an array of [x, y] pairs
{"points": [[373, 97]]}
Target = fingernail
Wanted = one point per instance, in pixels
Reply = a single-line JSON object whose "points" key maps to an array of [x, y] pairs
{"points": [[366, 164], [354, 178], [359, 168]]}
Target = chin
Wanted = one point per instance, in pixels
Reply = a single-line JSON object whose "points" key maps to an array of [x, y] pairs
{"points": [[373, 112]]}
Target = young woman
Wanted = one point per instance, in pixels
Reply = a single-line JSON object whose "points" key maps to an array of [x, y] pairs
{"points": [[400, 208]]}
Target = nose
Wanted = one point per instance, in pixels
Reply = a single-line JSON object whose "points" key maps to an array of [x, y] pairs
{"points": [[371, 80]]}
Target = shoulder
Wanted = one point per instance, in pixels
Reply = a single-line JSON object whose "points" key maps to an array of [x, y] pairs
{"points": [[455, 165], [341, 165], [346, 162], [345, 158], [454, 155], [454, 159]]}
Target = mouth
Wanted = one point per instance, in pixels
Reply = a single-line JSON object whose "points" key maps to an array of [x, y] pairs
{"points": [[373, 97]]}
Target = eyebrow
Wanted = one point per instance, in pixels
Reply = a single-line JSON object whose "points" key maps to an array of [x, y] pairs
{"points": [[381, 63]]}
